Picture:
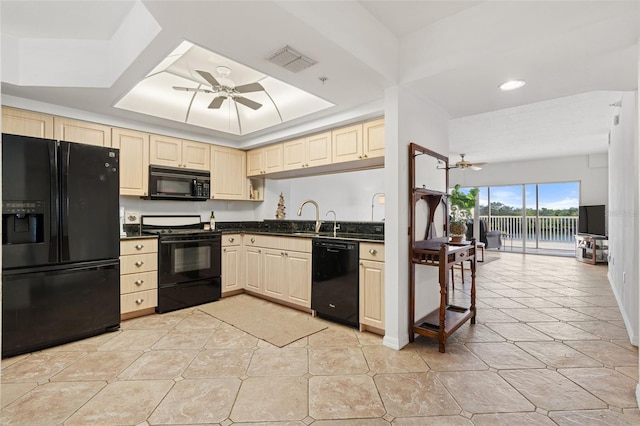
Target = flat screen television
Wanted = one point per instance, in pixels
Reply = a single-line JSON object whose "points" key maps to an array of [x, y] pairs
{"points": [[592, 220]]}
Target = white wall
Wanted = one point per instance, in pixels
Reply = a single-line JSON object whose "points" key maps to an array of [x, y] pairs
{"points": [[623, 214], [407, 119], [348, 194], [590, 170]]}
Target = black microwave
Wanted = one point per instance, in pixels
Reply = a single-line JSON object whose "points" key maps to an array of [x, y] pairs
{"points": [[169, 183]]}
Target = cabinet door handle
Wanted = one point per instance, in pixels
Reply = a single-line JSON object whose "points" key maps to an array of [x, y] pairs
{"points": [[373, 252], [139, 301], [231, 239], [224, 250], [139, 246], [253, 240], [138, 282], [139, 263], [361, 264], [259, 251]]}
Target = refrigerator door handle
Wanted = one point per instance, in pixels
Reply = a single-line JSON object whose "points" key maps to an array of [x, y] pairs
{"points": [[54, 209], [64, 200]]}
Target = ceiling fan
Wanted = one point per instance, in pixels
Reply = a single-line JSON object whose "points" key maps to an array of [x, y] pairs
{"points": [[223, 91], [464, 164]]}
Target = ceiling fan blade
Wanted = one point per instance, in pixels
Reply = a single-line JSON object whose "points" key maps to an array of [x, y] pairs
{"points": [[251, 87], [474, 167], [247, 102], [217, 102], [210, 79], [192, 89]]}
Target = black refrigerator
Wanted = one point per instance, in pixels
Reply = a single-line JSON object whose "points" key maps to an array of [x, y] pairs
{"points": [[60, 242]]}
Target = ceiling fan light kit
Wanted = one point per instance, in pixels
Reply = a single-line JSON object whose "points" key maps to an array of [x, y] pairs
{"points": [[464, 164]]}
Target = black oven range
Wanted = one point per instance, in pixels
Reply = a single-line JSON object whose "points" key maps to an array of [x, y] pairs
{"points": [[189, 261]]}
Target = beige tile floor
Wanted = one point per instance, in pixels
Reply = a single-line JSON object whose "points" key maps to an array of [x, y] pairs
{"points": [[549, 348]]}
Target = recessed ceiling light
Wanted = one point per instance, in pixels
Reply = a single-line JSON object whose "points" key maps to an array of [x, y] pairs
{"points": [[511, 85]]}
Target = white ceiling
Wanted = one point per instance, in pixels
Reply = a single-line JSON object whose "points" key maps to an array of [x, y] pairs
{"points": [[574, 55]]}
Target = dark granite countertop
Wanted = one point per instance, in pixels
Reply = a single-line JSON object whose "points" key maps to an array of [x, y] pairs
{"points": [[352, 231]]}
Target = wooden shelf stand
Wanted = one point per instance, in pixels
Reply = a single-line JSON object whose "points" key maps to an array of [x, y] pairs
{"points": [[430, 246], [444, 321]]}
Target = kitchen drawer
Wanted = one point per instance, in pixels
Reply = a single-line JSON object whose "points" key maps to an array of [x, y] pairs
{"points": [[139, 300], [230, 240], [130, 283], [138, 263], [372, 251], [138, 246], [299, 244]]}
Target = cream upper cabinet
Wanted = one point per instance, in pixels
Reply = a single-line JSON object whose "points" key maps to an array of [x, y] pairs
{"points": [[293, 153], [347, 143], [373, 138], [228, 173], [358, 142], [134, 160], [372, 286], [67, 129], [196, 155], [27, 123], [165, 151], [174, 152], [265, 160], [311, 151]]}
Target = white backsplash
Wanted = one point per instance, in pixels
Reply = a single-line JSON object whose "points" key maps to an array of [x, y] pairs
{"points": [[348, 194]]}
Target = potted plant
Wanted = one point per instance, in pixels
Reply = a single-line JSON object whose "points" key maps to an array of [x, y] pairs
{"points": [[461, 205]]}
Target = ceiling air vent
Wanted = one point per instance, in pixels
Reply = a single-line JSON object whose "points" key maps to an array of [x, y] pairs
{"points": [[290, 59]]}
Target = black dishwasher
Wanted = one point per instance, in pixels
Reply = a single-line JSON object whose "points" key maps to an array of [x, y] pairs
{"points": [[334, 289]]}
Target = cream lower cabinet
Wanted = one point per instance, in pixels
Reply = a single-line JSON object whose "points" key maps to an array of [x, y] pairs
{"points": [[372, 287], [138, 276], [279, 267], [232, 264]]}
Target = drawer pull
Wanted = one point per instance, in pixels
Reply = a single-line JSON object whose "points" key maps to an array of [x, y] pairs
{"points": [[231, 239], [373, 252], [253, 240], [139, 263], [139, 301], [139, 282], [139, 246]]}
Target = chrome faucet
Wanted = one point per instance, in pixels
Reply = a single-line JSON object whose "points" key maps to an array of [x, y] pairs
{"points": [[318, 222], [335, 224]]}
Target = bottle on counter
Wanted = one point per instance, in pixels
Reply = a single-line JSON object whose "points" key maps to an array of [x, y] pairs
{"points": [[212, 221]]}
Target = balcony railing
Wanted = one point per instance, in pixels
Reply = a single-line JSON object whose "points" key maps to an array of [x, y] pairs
{"points": [[552, 229]]}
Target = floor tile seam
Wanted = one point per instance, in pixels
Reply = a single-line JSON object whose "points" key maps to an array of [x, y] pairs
{"points": [[48, 378], [444, 385], [582, 387], [534, 404], [82, 405]]}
